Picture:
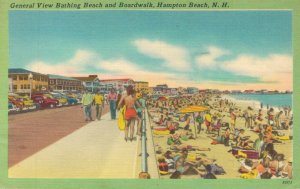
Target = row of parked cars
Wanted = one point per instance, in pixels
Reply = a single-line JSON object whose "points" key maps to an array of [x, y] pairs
{"points": [[20, 103]]}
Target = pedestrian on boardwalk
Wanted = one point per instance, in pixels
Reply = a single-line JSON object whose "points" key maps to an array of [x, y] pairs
{"points": [[87, 101], [99, 102], [112, 99], [130, 113], [140, 105]]}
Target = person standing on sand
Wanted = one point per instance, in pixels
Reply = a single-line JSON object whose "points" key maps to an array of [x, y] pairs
{"points": [[232, 119], [278, 120], [112, 99], [187, 122], [207, 121]]}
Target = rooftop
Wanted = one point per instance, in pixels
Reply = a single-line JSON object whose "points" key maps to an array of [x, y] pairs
{"points": [[89, 78], [21, 71], [125, 79], [51, 76]]}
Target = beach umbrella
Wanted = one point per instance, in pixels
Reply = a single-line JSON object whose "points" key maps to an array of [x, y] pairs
{"points": [[193, 109]]}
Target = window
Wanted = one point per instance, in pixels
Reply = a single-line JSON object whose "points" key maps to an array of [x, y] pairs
{"points": [[28, 86], [15, 87], [14, 77], [21, 86], [38, 78], [20, 77], [25, 77], [51, 81]]}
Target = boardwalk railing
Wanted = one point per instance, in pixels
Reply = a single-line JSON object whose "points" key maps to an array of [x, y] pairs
{"points": [[144, 173]]}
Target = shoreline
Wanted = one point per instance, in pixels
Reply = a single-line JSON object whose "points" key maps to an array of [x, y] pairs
{"points": [[255, 104]]}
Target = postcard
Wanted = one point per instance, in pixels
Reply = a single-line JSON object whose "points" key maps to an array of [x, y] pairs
{"points": [[131, 94]]}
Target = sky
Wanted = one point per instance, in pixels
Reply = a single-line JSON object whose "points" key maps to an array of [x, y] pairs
{"points": [[234, 50]]}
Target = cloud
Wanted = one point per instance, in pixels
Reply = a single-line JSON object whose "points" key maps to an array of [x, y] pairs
{"points": [[208, 60], [115, 68], [275, 68], [174, 57], [82, 61]]}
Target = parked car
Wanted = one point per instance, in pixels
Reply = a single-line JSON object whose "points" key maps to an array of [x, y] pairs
{"points": [[28, 103], [19, 105], [71, 100], [11, 107], [57, 96], [44, 100]]}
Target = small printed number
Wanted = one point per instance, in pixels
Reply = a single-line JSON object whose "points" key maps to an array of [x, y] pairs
{"points": [[287, 182]]}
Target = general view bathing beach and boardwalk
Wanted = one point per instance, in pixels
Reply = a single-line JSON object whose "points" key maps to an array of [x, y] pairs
{"points": [[150, 94]]}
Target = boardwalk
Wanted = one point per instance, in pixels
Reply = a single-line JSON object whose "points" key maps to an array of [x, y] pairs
{"points": [[97, 150]]}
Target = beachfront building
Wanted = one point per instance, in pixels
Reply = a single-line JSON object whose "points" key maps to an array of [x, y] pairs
{"points": [[118, 84], [192, 90], [26, 81], [10, 85], [62, 83], [249, 91], [91, 83], [141, 86], [150, 90], [181, 90], [263, 91], [174, 91], [236, 91]]}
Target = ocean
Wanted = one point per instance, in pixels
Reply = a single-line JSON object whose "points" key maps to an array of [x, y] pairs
{"points": [[273, 100]]}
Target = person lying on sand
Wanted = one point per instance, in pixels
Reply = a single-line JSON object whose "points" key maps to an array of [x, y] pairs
{"points": [[188, 147]]}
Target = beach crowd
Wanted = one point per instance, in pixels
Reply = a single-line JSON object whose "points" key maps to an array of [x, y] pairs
{"points": [[250, 134]]}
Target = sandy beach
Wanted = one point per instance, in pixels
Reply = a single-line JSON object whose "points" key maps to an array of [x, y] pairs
{"points": [[218, 152]]}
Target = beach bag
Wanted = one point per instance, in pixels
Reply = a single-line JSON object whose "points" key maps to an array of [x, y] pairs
{"points": [[121, 118]]}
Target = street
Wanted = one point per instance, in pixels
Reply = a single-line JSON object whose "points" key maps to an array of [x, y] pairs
{"points": [[30, 132]]}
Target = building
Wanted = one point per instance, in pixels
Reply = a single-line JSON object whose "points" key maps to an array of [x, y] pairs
{"points": [[25, 81], [91, 83], [181, 90], [249, 91], [174, 91], [236, 91], [163, 86], [141, 86], [10, 85], [62, 83], [192, 90], [118, 84]]}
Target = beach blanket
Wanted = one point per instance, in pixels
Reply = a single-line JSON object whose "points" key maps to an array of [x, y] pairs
{"points": [[281, 137], [246, 153], [121, 119], [161, 129], [156, 132], [251, 175]]}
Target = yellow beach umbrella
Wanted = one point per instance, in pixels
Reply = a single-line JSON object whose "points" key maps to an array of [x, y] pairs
{"points": [[192, 109]]}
